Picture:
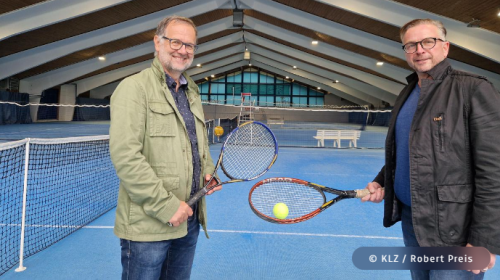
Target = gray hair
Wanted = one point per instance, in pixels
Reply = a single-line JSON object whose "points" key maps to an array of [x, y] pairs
{"points": [[162, 25], [416, 22]]}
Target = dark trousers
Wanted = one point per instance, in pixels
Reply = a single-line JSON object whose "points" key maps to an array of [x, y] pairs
{"points": [[411, 241], [169, 259]]}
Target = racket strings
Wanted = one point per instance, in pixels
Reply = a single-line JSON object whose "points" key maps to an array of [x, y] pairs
{"points": [[300, 199], [249, 152]]}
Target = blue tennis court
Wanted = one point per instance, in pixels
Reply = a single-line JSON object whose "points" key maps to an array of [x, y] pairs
{"points": [[241, 245]]}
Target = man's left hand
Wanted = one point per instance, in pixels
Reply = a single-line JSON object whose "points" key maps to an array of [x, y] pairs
{"points": [[214, 182], [490, 265]]}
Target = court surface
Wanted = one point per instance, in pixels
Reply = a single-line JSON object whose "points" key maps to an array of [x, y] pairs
{"points": [[241, 245]]}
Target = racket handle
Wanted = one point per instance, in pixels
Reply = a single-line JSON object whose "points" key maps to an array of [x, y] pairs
{"points": [[197, 196], [193, 200], [362, 193]]}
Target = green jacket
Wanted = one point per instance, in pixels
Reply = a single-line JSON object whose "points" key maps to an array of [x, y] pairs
{"points": [[151, 152]]}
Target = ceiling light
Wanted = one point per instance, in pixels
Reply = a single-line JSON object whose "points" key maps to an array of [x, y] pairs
{"points": [[314, 42], [102, 58], [286, 77], [336, 81], [294, 67], [380, 63], [213, 76], [198, 65], [249, 64], [319, 88]]}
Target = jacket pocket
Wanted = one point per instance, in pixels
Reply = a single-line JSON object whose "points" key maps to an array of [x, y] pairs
{"points": [[454, 212], [170, 183], [162, 119]]}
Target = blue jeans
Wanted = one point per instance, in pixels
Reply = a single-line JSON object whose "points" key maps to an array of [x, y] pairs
{"points": [[168, 259], [411, 241]]}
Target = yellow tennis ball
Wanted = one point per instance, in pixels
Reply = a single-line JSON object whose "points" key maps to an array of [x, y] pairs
{"points": [[218, 130], [280, 210]]}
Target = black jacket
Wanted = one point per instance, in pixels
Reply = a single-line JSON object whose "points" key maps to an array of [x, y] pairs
{"points": [[454, 161]]}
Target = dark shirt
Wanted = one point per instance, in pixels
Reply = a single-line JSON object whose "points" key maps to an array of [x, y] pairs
{"points": [[403, 125], [183, 106]]}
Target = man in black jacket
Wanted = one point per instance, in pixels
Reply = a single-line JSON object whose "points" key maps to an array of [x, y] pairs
{"points": [[442, 166]]}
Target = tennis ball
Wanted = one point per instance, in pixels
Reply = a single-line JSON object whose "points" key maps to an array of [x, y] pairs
{"points": [[280, 210], [218, 130]]}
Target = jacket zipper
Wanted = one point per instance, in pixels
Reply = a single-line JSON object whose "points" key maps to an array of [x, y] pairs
{"points": [[439, 120]]}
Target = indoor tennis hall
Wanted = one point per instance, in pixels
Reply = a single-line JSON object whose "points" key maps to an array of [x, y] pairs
{"points": [[241, 245], [323, 75]]}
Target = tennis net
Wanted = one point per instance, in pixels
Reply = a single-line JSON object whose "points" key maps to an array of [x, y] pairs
{"points": [[312, 126], [50, 188]]}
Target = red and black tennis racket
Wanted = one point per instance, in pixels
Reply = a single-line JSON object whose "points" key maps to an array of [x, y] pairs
{"points": [[304, 199]]}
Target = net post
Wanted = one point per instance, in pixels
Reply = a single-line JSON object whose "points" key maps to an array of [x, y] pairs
{"points": [[23, 219]]}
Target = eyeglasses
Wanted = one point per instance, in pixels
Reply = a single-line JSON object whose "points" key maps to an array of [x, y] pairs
{"points": [[426, 44], [176, 44]]}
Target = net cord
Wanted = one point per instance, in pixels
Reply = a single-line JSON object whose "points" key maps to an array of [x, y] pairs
{"points": [[23, 219]]}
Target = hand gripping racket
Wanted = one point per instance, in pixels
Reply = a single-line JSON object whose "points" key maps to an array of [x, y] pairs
{"points": [[304, 199], [248, 152]]}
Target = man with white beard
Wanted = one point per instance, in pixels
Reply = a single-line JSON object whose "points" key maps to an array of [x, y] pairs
{"points": [[159, 147]]}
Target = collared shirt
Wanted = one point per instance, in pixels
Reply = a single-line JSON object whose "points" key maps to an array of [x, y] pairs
{"points": [[183, 106]]}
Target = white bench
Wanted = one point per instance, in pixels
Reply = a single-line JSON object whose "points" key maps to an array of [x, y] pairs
{"points": [[336, 136], [276, 120]]}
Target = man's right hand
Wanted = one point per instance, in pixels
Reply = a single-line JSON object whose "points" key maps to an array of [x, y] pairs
{"points": [[376, 193], [181, 215]]}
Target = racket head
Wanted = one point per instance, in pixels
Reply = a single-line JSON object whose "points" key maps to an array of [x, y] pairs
{"points": [[303, 199], [248, 152]]}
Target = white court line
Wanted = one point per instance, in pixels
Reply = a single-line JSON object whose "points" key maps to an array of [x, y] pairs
{"points": [[285, 233], [306, 234], [239, 231]]}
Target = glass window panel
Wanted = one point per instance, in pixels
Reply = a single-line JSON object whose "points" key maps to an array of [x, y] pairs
{"points": [[250, 75], [279, 80], [299, 89], [270, 101], [279, 90], [214, 88], [262, 89], [237, 77], [266, 78], [303, 90], [254, 77], [219, 80], [287, 89], [203, 87], [234, 77], [222, 88], [266, 101], [282, 101], [299, 101]]}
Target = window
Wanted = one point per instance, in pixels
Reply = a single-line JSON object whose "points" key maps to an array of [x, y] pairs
{"points": [[251, 75], [266, 78], [234, 77], [299, 89]]}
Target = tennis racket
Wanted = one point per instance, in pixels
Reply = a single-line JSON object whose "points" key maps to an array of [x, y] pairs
{"points": [[304, 199], [248, 152]]}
